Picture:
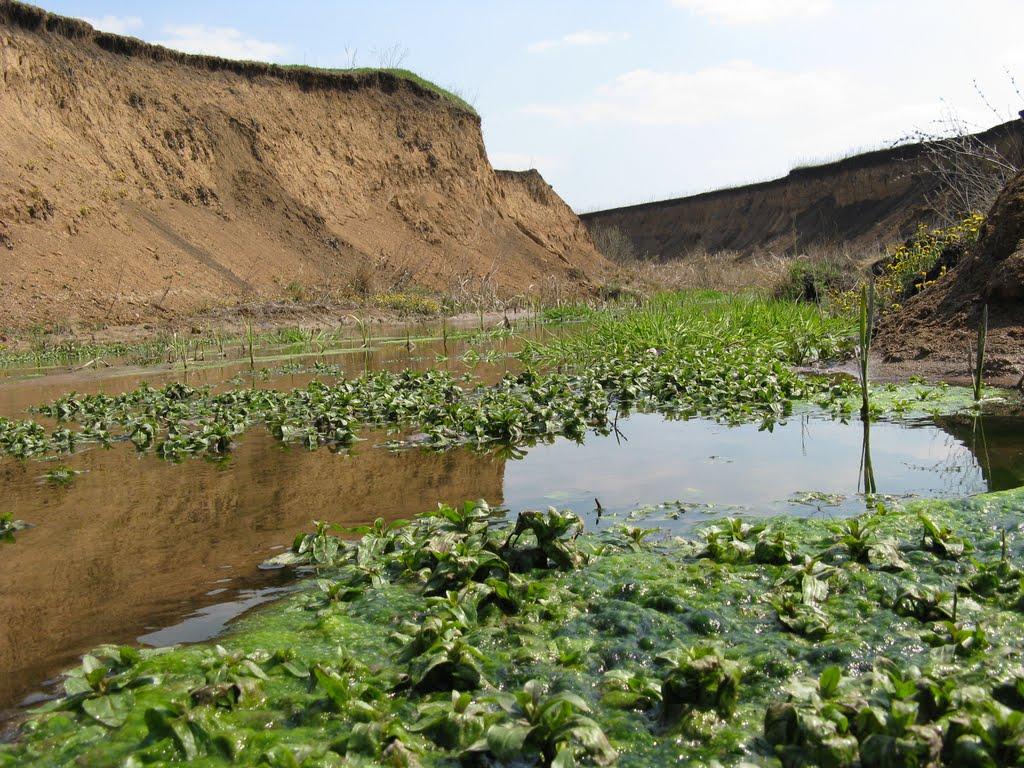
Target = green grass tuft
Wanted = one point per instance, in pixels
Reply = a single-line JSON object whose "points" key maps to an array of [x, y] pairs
{"points": [[402, 74]]}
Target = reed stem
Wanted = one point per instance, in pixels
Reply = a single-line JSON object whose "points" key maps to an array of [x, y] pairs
{"points": [[979, 363], [867, 321]]}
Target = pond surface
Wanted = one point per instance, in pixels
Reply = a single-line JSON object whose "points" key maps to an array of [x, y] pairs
{"points": [[806, 465], [137, 549]]}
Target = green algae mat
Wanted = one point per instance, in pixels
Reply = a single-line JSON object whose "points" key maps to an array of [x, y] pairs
{"points": [[890, 639]]}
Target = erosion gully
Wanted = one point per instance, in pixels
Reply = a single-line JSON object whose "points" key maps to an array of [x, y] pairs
{"points": [[137, 549]]}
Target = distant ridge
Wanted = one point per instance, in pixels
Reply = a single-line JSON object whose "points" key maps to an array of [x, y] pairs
{"points": [[868, 198]]}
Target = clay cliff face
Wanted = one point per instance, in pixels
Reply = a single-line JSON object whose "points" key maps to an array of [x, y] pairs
{"points": [[137, 182], [939, 324], [862, 202]]}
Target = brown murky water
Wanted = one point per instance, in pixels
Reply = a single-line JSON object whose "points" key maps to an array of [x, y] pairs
{"points": [[137, 548], [136, 544]]}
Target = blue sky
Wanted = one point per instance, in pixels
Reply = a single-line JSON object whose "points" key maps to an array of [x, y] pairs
{"points": [[620, 102]]}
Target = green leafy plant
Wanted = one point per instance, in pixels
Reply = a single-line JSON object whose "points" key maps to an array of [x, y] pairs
{"points": [[102, 686], [630, 690], [774, 548], [698, 678], [471, 517], [802, 618], [554, 533], [856, 535], [964, 641], [925, 604], [731, 541], [813, 729], [9, 526], [992, 579], [551, 730], [455, 723], [940, 539], [448, 663], [635, 538]]}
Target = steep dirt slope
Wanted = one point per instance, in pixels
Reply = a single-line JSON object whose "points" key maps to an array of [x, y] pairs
{"points": [[939, 324], [541, 214], [861, 201], [137, 183]]}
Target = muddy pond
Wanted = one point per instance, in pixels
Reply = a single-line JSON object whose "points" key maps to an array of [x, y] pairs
{"points": [[136, 549]]}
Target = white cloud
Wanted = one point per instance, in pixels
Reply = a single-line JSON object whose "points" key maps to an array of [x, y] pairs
{"points": [[118, 25], [754, 11], [220, 41], [583, 38], [736, 90]]}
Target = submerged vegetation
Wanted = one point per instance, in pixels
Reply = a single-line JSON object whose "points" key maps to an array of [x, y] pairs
{"points": [[9, 526], [730, 358], [892, 639]]}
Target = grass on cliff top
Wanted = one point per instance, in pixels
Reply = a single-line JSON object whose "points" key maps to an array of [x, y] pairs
{"points": [[403, 74]]}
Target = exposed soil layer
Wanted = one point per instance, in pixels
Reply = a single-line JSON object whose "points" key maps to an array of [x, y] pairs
{"points": [[937, 328], [138, 184], [861, 202]]}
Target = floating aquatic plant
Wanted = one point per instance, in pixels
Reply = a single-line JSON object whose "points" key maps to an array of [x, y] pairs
{"points": [[9, 526]]}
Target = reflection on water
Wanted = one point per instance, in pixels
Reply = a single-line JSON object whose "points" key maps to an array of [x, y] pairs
{"points": [[211, 620], [867, 467], [998, 445], [136, 544], [757, 472]]}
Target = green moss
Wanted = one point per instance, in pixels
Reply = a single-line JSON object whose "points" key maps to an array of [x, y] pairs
{"points": [[329, 675], [917, 399]]}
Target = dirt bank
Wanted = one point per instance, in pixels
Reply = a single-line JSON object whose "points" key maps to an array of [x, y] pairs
{"points": [[138, 184], [937, 328], [861, 202]]}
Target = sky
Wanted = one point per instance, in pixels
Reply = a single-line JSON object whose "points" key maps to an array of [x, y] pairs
{"points": [[618, 102]]}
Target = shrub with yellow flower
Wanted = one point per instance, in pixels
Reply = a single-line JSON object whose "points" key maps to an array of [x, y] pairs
{"points": [[910, 267]]}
